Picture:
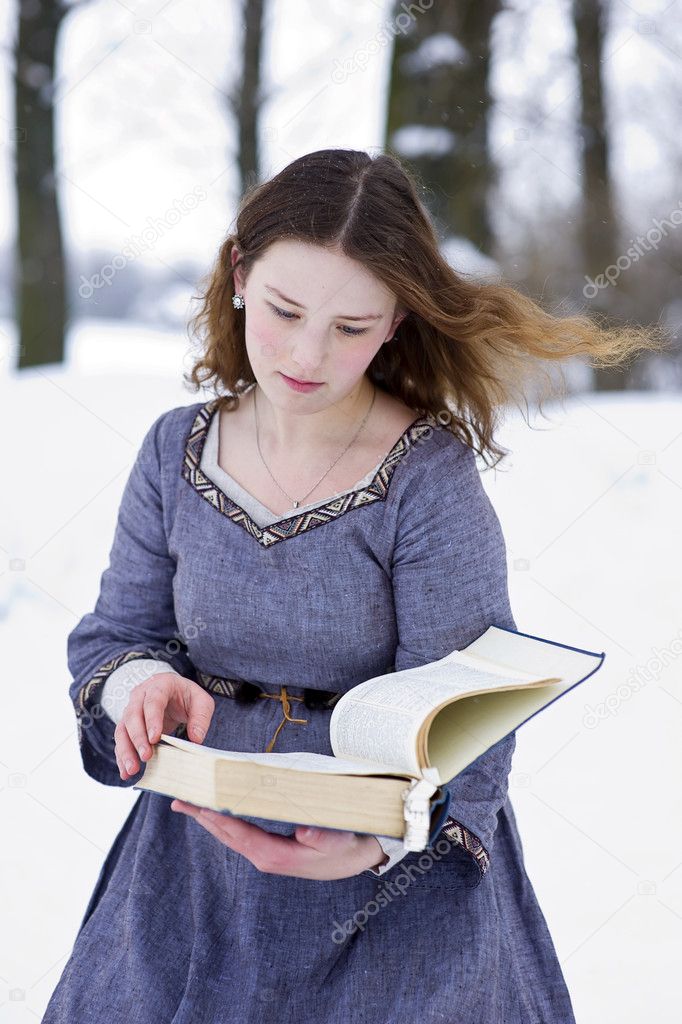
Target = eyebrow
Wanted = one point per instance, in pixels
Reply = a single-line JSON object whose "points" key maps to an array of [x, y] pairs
{"points": [[292, 302]]}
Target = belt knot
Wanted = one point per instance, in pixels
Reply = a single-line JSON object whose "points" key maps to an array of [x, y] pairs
{"points": [[284, 698]]}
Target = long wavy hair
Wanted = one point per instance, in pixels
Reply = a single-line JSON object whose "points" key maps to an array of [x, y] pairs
{"points": [[466, 348]]}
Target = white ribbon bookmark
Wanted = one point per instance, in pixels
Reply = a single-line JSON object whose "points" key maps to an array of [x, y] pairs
{"points": [[417, 809]]}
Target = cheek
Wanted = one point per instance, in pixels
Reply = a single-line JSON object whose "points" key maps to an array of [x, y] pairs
{"points": [[354, 358], [262, 337]]}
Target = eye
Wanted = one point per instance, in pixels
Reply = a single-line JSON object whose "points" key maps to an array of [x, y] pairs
{"points": [[350, 332], [282, 312]]}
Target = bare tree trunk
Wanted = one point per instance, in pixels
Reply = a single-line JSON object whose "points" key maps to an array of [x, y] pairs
{"points": [[39, 270], [248, 99], [438, 109], [599, 228]]}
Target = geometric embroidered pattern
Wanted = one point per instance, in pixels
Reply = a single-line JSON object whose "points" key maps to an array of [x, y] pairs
{"points": [[471, 843], [293, 525], [218, 685]]}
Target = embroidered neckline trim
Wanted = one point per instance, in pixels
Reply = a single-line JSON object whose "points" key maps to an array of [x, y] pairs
{"points": [[293, 525]]}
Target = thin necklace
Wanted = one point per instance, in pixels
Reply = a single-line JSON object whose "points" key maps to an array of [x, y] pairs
{"points": [[297, 502]]}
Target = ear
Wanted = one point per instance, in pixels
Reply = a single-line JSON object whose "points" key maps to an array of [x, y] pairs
{"points": [[397, 320], [238, 278]]}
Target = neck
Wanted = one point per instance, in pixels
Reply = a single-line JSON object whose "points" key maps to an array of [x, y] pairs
{"points": [[280, 430]]}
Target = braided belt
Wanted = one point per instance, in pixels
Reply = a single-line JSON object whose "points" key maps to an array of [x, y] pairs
{"points": [[245, 692]]}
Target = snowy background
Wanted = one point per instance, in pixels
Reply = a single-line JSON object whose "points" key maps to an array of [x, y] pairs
{"points": [[590, 502]]}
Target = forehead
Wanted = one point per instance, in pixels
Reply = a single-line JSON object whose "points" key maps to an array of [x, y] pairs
{"points": [[313, 274]]}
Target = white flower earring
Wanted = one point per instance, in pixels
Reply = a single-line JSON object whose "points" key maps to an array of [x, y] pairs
{"points": [[238, 301]]}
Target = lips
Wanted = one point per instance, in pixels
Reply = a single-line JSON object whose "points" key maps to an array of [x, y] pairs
{"points": [[299, 381]]}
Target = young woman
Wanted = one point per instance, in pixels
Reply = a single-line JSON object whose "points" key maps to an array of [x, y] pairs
{"points": [[318, 522]]}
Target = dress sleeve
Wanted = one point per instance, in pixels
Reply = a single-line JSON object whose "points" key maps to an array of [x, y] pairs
{"points": [[133, 617], [394, 850], [449, 573]]}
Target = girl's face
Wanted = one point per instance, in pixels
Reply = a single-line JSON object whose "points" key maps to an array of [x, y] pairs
{"points": [[315, 315]]}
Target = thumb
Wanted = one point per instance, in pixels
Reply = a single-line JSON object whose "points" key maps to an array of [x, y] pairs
{"points": [[309, 836]]}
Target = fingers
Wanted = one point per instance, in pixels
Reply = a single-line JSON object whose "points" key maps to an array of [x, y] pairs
{"points": [[154, 704], [138, 728], [266, 851], [163, 698], [126, 756], [136, 722], [325, 854], [200, 706]]}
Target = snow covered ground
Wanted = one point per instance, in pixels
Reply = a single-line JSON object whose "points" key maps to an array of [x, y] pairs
{"points": [[591, 505]]}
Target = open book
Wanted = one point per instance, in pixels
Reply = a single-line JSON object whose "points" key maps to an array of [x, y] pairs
{"points": [[397, 738]]}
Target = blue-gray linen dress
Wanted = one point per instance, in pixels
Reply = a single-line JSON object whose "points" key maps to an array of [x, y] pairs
{"points": [[180, 929]]}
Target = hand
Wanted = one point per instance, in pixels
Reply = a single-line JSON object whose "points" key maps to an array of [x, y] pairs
{"points": [[157, 705], [324, 855]]}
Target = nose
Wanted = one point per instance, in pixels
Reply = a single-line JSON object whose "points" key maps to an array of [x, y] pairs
{"points": [[308, 355]]}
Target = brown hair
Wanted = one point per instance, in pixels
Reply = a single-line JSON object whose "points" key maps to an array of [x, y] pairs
{"points": [[465, 348]]}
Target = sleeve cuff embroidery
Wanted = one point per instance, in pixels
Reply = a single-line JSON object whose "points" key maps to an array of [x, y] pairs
{"points": [[461, 835], [454, 830]]}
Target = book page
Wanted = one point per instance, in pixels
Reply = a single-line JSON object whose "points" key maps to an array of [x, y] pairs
{"points": [[501, 647], [300, 760], [484, 692], [380, 719]]}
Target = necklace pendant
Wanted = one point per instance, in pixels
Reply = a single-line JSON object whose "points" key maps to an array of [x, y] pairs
{"points": [[296, 504]]}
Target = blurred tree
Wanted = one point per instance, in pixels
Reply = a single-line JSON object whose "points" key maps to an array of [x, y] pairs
{"points": [[438, 108], [39, 263], [598, 234], [247, 99]]}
